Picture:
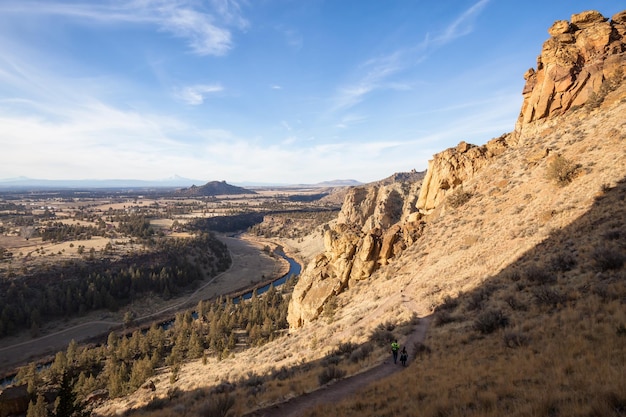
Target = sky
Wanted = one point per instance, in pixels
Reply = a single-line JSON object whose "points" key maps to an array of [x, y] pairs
{"points": [[260, 91]]}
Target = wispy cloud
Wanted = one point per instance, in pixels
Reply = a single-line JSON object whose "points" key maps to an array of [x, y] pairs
{"points": [[195, 95], [206, 32], [461, 26], [378, 71], [350, 120]]}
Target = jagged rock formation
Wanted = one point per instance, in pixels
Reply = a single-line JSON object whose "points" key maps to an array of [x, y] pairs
{"points": [[574, 62], [450, 168], [379, 221], [376, 224]]}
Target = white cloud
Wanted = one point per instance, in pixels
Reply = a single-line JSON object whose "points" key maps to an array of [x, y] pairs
{"points": [[461, 26], [206, 33], [379, 70], [195, 95], [350, 120]]}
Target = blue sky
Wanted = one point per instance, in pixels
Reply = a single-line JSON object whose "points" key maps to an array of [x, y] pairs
{"points": [[262, 91]]}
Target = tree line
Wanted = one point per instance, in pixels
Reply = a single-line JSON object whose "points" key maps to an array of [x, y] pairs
{"points": [[75, 290], [125, 362]]}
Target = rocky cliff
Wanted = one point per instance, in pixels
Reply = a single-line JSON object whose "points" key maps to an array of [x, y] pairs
{"points": [[574, 63], [375, 225], [580, 63]]}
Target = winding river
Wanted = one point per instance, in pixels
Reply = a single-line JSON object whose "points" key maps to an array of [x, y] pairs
{"points": [[294, 270]]}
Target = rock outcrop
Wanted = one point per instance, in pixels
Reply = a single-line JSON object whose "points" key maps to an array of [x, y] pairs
{"points": [[450, 168], [376, 224], [574, 63]]}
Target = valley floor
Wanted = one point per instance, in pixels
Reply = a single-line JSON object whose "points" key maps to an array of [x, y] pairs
{"points": [[250, 265]]}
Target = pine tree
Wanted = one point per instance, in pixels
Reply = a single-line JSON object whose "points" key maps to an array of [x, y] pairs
{"points": [[37, 409]]}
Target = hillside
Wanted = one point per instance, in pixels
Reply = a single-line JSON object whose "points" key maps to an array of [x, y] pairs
{"points": [[212, 188], [515, 248]]}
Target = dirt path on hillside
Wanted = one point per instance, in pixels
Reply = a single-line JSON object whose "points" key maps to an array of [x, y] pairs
{"points": [[342, 389], [249, 265]]}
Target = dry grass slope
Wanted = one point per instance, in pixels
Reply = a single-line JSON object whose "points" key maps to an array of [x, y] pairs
{"points": [[528, 282], [526, 276]]}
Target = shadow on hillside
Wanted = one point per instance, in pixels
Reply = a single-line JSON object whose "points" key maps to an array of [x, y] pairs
{"points": [[326, 370], [585, 258], [582, 258]]}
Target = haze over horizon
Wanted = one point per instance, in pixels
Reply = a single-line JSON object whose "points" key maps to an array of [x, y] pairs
{"points": [[276, 91]]}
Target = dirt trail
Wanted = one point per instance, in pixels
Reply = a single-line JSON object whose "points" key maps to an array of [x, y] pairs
{"points": [[340, 390]]}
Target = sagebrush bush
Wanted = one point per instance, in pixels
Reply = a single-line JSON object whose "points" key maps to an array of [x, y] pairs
{"points": [[361, 353], [330, 373], [548, 296], [218, 406], [535, 273], [515, 339], [443, 317], [563, 262], [381, 335], [458, 197], [562, 170], [490, 321], [606, 258], [449, 303], [345, 349]]}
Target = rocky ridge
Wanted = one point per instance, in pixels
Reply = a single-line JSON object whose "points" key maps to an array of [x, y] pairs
{"points": [[574, 63], [580, 63]]}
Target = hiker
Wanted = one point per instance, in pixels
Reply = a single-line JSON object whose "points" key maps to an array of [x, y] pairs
{"points": [[394, 349], [403, 356]]}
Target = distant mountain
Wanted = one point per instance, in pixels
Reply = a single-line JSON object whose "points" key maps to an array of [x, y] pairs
{"points": [[32, 183], [213, 188], [339, 183]]}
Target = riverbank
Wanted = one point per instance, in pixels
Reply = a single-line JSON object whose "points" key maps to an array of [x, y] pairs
{"points": [[250, 265]]}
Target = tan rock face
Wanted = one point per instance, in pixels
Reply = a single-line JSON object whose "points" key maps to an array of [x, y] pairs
{"points": [[574, 63], [376, 224], [450, 168]]}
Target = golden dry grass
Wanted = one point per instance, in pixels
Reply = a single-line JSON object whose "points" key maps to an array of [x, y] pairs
{"points": [[509, 249]]}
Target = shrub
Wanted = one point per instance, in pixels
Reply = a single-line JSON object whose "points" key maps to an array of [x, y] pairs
{"points": [[420, 350], [443, 317], [218, 406], [283, 373], [606, 258], [361, 353], [562, 170], [330, 373], [345, 349], [514, 303], [549, 296], [382, 335], [534, 273], [490, 321], [448, 303], [458, 197], [563, 262], [515, 339], [477, 298]]}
